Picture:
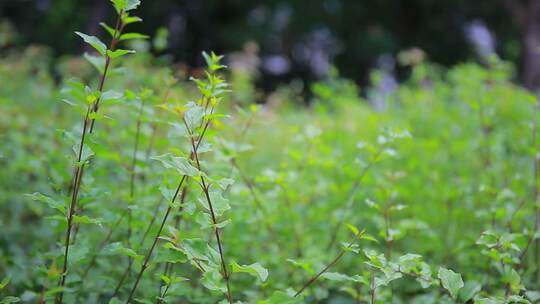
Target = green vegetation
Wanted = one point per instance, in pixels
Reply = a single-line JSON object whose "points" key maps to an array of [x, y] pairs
{"points": [[129, 184]]}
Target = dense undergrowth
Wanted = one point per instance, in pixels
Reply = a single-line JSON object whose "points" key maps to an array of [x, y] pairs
{"points": [[187, 192]]}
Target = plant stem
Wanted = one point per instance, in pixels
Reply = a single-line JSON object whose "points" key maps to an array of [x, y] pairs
{"points": [[132, 177], [169, 208], [332, 263], [115, 39], [80, 166], [372, 287], [162, 295], [158, 234], [350, 195], [101, 246], [205, 187]]}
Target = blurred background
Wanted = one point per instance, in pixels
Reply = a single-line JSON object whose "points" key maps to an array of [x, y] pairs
{"points": [[301, 40]]}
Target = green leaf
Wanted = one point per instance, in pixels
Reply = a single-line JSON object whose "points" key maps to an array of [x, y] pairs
{"points": [[212, 280], [451, 281], [36, 196], [96, 61], [10, 299], [85, 219], [280, 297], [111, 95], [533, 296], [129, 36], [469, 290], [193, 116], [94, 42], [119, 53], [4, 283], [195, 249], [115, 301], [304, 265], [219, 203], [131, 19], [167, 193], [180, 164], [171, 254], [125, 5], [86, 154], [255, 269], [368, 237], [353, 229], [109, 29], [339, 277], [212, 61], [224, 183]]}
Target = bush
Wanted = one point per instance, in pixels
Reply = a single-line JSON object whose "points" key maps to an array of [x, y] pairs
{"points": [[169, 200]]}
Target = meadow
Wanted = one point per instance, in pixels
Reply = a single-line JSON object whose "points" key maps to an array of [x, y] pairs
{"points": [[123, 180]]}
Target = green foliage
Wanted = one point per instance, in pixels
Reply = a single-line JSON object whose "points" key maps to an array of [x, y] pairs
{"points": [[187, 198], [451, 281]]}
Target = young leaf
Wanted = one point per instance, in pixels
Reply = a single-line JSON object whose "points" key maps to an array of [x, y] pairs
{"points": [[119, 53], [36, 196], [125, 5], [85, 219], [451, 281], [353, 229], [94, 42], [254, 269], [129, 36], [131, 19], [180, 164], [109, 29]]}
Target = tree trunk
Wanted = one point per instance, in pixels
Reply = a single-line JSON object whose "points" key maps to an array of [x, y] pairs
{"points": [[531, 46]]}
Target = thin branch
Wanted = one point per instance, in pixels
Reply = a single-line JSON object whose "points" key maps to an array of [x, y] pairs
{"points": [[158, 234], [332, 263], [80, 166], [205, 189], [350, 196], [169, 209]]}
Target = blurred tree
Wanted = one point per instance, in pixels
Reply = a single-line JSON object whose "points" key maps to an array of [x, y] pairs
{"points": [[299, 38], [526, 15]]}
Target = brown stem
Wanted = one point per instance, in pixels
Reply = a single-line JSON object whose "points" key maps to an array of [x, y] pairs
{"points": [[332, 263], [205, 189], [169, 208], [372, 287], [115, 39], [158, 234], [80, 167], [74, 196]]}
